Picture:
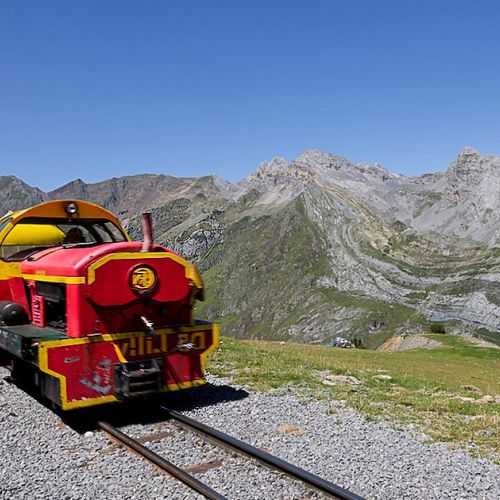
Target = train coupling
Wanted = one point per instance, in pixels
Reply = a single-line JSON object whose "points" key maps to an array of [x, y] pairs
{"points": [[139, 378]]}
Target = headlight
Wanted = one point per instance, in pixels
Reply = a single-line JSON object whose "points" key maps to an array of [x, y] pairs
{"points": [[71, 208]]}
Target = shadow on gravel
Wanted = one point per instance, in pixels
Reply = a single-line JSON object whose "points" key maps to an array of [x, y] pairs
{"points": [[148, 411], [140, 411]]}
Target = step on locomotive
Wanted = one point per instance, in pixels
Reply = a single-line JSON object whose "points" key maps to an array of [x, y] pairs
{"points": [[92, 317]]}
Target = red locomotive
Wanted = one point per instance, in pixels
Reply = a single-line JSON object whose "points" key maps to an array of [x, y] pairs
{"points": [[92, 316]]}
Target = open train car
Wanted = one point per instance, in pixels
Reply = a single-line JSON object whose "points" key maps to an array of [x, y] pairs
{"points": [[92, 317]]}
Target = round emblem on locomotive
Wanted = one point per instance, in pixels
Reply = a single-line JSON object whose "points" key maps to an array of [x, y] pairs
{"points": [[142, 279]]}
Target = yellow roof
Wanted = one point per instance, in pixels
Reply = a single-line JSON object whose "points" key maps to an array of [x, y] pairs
{"points": [[55, 208]]}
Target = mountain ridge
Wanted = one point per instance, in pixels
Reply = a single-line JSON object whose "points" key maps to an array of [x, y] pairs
{"points": [[320, 246]]}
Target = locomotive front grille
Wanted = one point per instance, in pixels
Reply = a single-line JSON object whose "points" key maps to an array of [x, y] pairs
{"points": [[138, 378]]}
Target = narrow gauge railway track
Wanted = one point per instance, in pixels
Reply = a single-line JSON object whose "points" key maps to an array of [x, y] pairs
{"points": [[160, 462], [221, 439]]}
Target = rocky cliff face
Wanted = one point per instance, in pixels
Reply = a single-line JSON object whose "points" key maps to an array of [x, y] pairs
{"points": [[320, 246], [469, 203]]}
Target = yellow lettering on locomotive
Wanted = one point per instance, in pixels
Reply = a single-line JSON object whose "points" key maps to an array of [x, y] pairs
{"points": [[123, 348], [182, 338], [137, 347], [133, 347], [140, 341], [150, 349], [163, 344]]}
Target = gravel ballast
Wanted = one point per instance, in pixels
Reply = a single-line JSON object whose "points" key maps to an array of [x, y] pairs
{"points": [[42, 457]]}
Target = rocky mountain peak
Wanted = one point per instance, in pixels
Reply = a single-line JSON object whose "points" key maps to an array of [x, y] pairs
{"points": [[470, 165], [375, 170], [309, 163], [316, 159], [73, 189], [338, 167], [471, 170], [468, 151], [271, 168]]}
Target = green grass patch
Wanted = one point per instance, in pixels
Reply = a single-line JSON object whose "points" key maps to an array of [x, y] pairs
{"points": [[434, 390]]}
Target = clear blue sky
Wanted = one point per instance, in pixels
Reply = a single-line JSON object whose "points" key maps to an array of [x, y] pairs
{"points": [[96, 89]]}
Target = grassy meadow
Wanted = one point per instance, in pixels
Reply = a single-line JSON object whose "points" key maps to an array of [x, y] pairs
{"points": [[446, 392]]}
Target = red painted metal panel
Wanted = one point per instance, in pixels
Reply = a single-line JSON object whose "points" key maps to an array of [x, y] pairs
{"points": [[128, 318], [18, 293], [81, 316], [87, 368], [182, 367], [172, 284], [109, 304], [73, 261], [5, 290]]}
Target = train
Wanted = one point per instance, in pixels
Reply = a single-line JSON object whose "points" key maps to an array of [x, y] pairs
{"points": [[89, 316]]}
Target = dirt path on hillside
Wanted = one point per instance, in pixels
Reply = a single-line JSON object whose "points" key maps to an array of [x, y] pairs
{"points": [[407, 342], [480, 342]]}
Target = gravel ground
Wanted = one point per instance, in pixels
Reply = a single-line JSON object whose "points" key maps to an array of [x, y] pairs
{"points": [[43, 457]]}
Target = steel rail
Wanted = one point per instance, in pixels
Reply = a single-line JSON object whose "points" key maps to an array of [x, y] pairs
{"points": [[163, 464], [309, 478]]}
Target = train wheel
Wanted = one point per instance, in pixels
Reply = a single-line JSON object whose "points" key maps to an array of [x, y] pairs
{"points": [[21, 372], [4, 357]]}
